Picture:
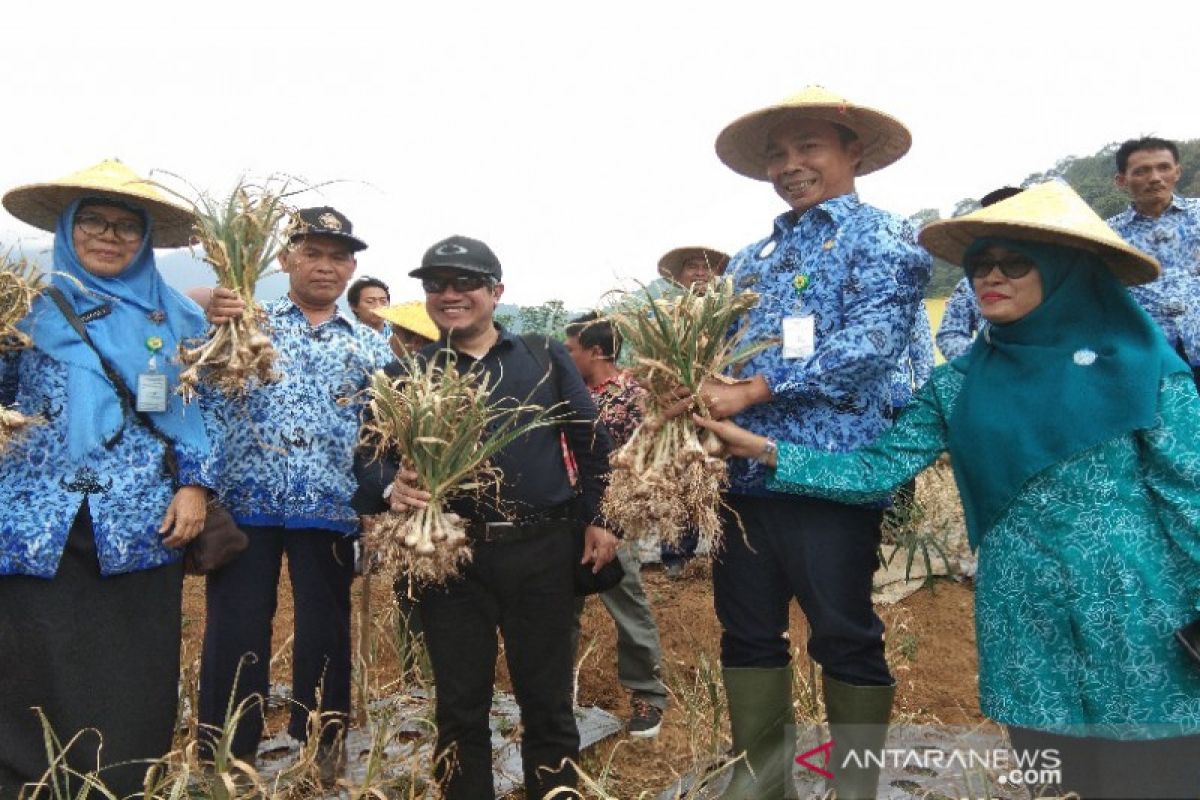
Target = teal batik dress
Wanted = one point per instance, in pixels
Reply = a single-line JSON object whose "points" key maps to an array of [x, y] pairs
{"points": [[1081, 580]]}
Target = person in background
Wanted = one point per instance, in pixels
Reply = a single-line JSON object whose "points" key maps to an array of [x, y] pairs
{"points": [[594, 346], [411, 326], [1074, 432], [1167, 227], [687, 268], [93, 517], [960, 322], [366, 296], [692, 266]]}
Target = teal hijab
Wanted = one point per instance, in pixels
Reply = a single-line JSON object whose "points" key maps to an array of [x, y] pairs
{"points": [[1082, 368]]}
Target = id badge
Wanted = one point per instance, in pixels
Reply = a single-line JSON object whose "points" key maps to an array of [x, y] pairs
{"points": [[152, 392], [799, 336]]}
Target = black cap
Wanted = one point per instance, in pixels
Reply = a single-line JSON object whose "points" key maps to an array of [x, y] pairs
{"points": [[324, 221], [460, 252]]}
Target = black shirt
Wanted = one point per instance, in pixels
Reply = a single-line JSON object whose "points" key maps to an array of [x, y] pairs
{"points": [[533, 471]]}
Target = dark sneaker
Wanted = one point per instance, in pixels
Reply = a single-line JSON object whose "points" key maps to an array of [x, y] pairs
{"points": [[646, 721]]}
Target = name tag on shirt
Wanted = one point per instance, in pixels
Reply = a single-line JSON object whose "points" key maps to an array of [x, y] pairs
{"points": [[799, 336], [151, 392]]}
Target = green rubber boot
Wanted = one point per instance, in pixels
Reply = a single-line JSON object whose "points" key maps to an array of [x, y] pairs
{"points": [[760, 719], [858, 724]]}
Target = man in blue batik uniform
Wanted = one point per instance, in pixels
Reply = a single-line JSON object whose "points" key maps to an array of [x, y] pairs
{"points": [[290, 449], [1167, 227], [960, 321], [840, 282]]}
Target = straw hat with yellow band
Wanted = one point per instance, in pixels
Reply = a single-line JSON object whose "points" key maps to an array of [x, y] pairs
{"points": [[411, 316], [40, 204], [743, 143], [671, 264], [1051, 213]]}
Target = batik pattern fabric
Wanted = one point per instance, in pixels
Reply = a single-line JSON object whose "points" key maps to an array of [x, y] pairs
{"points": [[290, 444], [619, 401], [1174, 299], [1082, 579], [916, 363], [124, 484], [860, 274], [960, 321]]}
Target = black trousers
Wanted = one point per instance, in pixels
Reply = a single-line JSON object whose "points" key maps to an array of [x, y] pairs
{"points": [[99, 655], [821, 553], [1107, 769], [240, 602], [526, 590]]}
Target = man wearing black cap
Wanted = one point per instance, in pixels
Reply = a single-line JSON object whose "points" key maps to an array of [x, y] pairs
{"points": [[288, 481], [520, 578]]}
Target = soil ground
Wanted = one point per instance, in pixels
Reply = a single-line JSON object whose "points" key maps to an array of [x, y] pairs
{"points": [[931, 649]]}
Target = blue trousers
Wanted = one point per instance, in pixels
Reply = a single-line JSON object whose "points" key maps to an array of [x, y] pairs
{"points": [[823, 554], [241, 600]]}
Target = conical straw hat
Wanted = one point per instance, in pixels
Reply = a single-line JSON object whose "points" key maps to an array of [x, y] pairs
{"points": [[40, 204], [671, 264], [1051, 213], [411, 316], [743, 143]]}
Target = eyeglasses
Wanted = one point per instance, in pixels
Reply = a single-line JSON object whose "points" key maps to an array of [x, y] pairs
{"points": [[461, 283], [1012, 267], [126, 230]]}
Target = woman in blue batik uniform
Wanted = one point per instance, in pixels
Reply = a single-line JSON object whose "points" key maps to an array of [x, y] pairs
{"points": [[1074, 432], [92, 519]]}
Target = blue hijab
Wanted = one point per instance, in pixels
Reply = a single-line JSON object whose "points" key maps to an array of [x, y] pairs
{"points": [[136, 297], [1080, 369]]}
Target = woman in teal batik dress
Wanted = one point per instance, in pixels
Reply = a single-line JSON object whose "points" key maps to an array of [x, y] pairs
{"points": [[1074, 433]]}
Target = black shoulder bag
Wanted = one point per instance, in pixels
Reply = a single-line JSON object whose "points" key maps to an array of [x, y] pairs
{"points": [[220, 540], [586, 581]]}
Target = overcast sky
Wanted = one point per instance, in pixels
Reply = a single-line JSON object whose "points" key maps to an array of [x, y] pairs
{"points": [[576, 139]]}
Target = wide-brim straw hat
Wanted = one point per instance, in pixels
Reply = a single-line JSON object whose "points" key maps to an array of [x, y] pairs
{"points": [[411, 316], [743, 143], [671, 264], [40, 204], [1049, 213]]}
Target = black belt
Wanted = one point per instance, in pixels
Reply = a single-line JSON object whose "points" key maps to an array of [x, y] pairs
{"points": [[549, 521]]}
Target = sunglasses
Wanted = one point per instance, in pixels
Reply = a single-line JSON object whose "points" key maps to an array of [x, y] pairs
{"points": [[1012, 267], [461, 283]]}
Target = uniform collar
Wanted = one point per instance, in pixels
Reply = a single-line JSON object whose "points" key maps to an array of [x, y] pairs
{"points": [[837, 209], [1177, 204], [283, 306]]}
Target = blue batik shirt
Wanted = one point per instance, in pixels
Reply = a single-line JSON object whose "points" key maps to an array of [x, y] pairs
{"points": [[290, 447], [124, 484], [916, 363], [1174, 239], [859, 272], [960, 322]]}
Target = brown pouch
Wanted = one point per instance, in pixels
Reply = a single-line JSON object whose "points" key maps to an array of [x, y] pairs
{"points": [[219, 542]]}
